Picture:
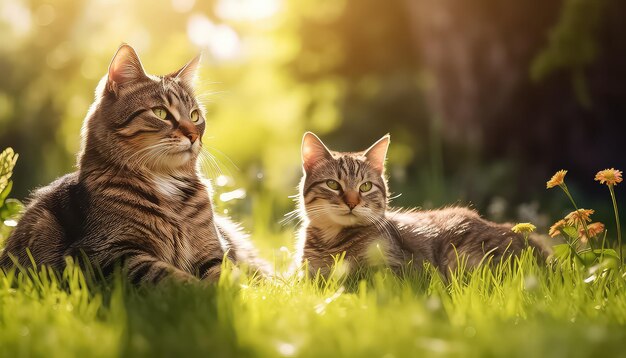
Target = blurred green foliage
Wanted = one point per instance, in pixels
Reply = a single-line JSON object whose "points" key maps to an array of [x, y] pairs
{"points": [[350, 70], [573, 44], [264, 82]]}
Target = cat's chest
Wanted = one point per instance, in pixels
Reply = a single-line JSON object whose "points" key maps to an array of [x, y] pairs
{"points": [[186, 208], [173, 189], [363, 246], [355, 244], [184, 234]]}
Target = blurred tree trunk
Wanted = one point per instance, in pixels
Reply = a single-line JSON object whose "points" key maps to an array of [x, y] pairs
{"points": [[479, 54]]}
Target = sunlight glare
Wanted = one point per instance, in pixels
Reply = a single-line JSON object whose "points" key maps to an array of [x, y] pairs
{"points": [[247, 10], [221, 40], [199, 30], [17, 16], [221, 180], [286, 349], [10, 223], [183, 5], [235, 194]]}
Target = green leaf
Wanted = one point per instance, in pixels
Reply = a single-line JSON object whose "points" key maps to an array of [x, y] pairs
{"points": [[561, 252], [588, 257], [12, 208], [571, 232], [5, 192], [607, 252]]}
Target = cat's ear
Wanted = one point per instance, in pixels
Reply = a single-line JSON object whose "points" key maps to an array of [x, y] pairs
{"points": [[377, 153], [125, 67], [313, 150], [188, 73]]}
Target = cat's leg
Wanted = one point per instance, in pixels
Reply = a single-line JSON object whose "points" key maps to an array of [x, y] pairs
{"points": [[144, 268], [210, 269], [40, 234]]}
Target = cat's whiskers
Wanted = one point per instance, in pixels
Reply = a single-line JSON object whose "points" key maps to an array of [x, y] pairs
{"points": [[139, 158], [155, 155], [380, 225], [207, 148], [314, 213], [209, 163], [290, 216]]}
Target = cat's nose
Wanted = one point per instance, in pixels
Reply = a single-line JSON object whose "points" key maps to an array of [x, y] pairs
{"points": [[188, 130], [351, 198], [192, 137]]}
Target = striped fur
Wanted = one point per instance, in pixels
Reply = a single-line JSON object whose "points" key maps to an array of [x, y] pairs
{"points": [[371, 233], [137, 198]]}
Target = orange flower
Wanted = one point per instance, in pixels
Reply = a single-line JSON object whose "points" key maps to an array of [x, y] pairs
{"points": [[557, 179], [579, 216], [609, 176], [555, 230], [595, 229], [592, 229]]}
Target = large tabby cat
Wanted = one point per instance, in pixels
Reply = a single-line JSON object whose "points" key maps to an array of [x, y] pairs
{"points": [[343, 205], [136, 198]]}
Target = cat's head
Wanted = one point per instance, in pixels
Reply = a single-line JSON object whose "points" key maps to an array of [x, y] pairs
{"points": [[345, 189], [144, 121]]}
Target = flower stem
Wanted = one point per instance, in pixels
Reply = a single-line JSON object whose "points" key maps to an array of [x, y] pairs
{"points": [[602, 248], [619, 229], [589, 239], [564, 187]]}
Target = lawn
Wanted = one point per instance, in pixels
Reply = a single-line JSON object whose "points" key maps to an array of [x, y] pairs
{"points": [[525, 309]]}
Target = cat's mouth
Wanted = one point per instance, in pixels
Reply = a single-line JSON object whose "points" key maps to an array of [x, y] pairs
{"points": [[184, 149]]}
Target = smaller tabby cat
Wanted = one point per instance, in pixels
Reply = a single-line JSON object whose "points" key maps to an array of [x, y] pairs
{"points": [[137, 198], [343, 205]]}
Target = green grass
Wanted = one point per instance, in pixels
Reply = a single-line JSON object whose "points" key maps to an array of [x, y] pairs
{"points": [[523, 310]]}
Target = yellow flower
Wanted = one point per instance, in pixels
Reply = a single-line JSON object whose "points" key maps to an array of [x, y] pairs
{"points": [[555, 230], [557, 179], [579, 216], [609, 176], [523, 228]]}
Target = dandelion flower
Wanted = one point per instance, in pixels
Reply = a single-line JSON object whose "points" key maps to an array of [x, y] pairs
{"points": [[579, 217], [523, 228], [555, 230], [557, 179], [609, 176]]}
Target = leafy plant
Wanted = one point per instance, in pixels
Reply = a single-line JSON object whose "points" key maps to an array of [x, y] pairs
{"points": [[10, 209], [586, 241]]}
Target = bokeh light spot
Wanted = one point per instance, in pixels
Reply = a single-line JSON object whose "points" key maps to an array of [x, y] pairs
{"points": [[183, 5], [247, 10], [45, 15], [221, 40]]}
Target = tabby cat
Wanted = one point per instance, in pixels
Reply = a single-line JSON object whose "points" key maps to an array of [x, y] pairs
{"points": [[343, 205], [137, 198]]}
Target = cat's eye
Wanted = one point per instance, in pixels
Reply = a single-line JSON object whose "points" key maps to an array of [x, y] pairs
{"points": [[160, 112], [332, 184], [367, 186], [195, 116]]}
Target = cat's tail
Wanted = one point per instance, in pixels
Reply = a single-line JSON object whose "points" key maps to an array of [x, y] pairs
{"points": [[240, 248]]}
